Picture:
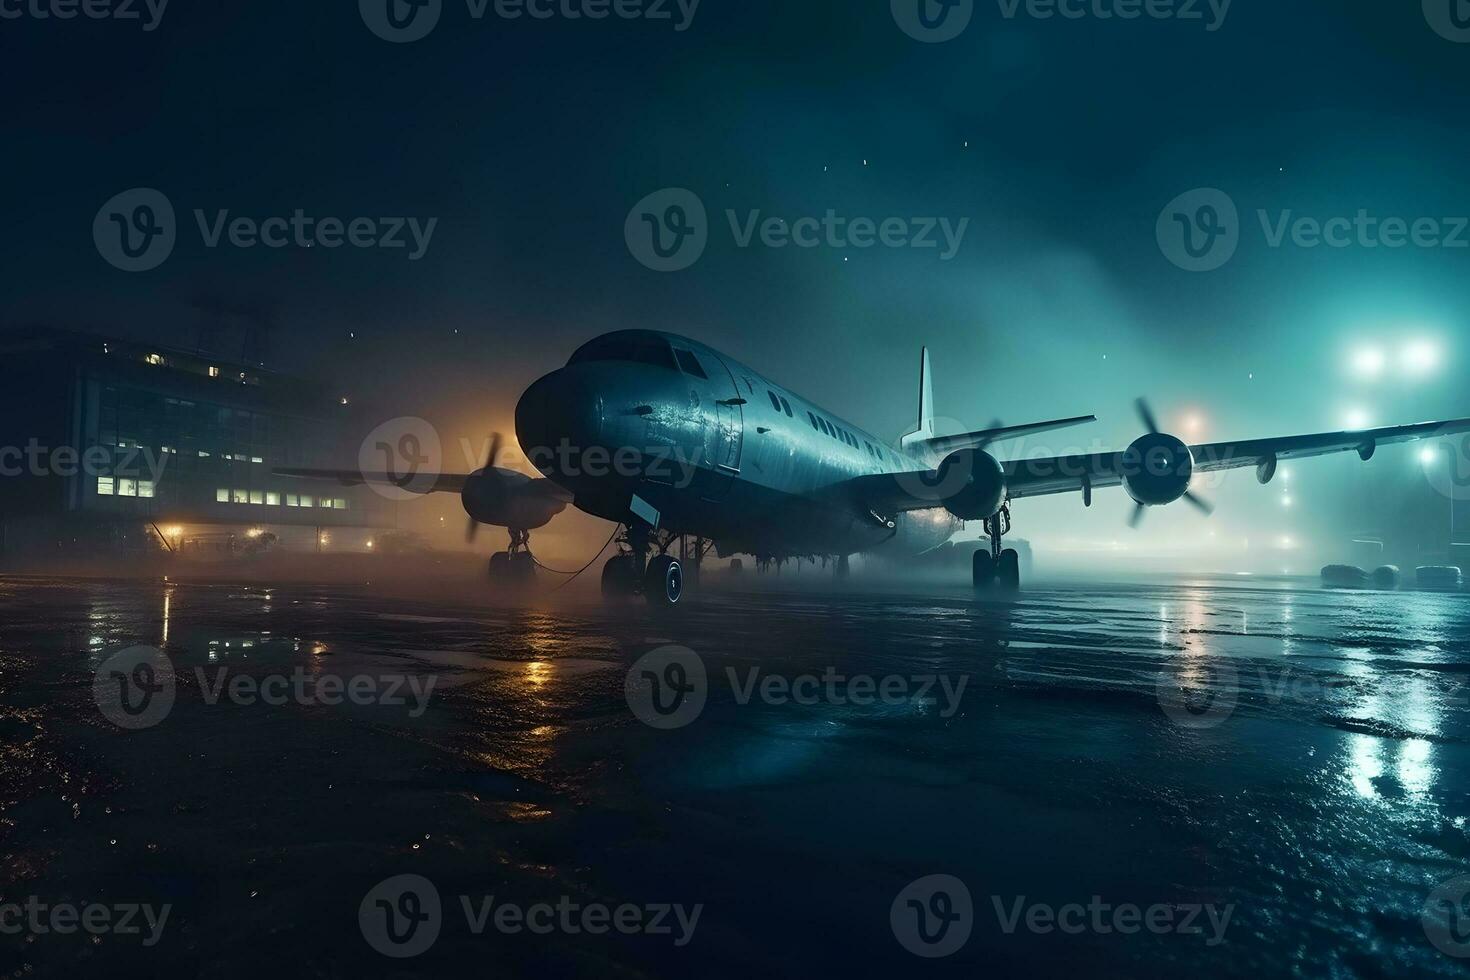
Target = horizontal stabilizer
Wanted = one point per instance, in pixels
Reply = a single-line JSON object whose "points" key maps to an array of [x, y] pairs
{"points": [[970, 440]]}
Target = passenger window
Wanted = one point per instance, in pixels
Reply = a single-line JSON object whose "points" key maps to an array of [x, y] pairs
{"points": [[775, 402], [814, 421], [786, 407], [690, 363]]}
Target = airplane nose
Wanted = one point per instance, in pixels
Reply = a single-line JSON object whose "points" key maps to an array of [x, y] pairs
{"points": [[559, 410]]}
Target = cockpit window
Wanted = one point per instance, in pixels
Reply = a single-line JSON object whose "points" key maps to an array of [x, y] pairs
{"points": [[642, 350], [690, 363]]}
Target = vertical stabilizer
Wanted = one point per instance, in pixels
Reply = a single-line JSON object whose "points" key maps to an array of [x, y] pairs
{"points": [[926, 405]]}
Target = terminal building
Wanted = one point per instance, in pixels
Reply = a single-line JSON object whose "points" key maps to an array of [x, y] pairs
{"points": [[110, 445]]}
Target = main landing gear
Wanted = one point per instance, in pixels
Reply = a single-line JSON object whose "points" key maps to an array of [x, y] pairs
{"points": [[659, 579], [516, 566], [994, 565]]}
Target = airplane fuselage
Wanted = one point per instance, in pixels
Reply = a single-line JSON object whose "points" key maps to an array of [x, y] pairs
{"points": [[716, 448]]}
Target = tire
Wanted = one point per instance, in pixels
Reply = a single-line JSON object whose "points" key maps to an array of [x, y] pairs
{"points": [[663, 583], [1008, 569], [500, 566], [983, 569], [617, 577]]}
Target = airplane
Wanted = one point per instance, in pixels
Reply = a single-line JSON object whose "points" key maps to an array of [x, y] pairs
{"points": [[667, 437]]}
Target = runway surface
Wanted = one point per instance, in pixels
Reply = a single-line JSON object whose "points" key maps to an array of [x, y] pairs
{"points": [[1175, 778]]}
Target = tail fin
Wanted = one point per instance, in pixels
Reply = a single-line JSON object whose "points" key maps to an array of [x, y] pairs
{"points": [[926, 406]]}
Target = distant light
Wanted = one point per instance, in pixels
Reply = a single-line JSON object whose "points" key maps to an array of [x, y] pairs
{"points": [[1286, 501], [254, 532], [1420, 357], [1357, 419], [344, 399], [1286, 474], [173, 532], [1427, 455], [1368, 362], [1193, 424], [370, 544], [1287, 543]]}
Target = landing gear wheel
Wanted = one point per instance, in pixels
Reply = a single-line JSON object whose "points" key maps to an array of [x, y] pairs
{"points": [[618, 579], [500, 566], [983, 569], [663, 583], [1008, 569]]}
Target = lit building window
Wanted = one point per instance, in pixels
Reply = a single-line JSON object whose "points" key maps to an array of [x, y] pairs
{"points": [[240, 457], [145, 488], [222, 496], [325, 502], [257, 496], [272, 499], [305, 501], [203, 454], [240, 496], [291, 500], [105, 486], [154, 359], [339, 504], [127, 488], [256, 459], [213, 371]]}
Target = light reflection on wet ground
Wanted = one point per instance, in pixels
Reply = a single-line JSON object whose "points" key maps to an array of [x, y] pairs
{"points": [[1322, 792]]}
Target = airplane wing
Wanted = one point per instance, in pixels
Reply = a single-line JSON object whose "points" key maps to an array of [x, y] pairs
{"points": [[413, 482], [999, 433], [1063, 474], [888, 493]]}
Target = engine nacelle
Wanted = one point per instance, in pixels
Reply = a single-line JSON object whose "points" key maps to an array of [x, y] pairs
{"points": [[485, 499], [973, 484], [1156, 469]]}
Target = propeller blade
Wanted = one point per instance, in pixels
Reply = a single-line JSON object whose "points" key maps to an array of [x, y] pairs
{"points": [[495, 440], [1147, 415], [1203, 505], [471, 531], [1136, 517]]}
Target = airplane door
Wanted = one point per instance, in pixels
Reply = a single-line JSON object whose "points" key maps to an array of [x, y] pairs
{"points": [[730, 427]]}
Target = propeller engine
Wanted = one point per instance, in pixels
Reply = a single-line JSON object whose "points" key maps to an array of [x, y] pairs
{"points": [[973, 484], [506, 498], [1157, 469]]}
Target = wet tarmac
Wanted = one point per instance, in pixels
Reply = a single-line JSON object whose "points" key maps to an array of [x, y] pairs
{"points": [[1218, 778]]}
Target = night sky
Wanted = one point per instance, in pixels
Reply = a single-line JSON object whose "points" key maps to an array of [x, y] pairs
{"points": [[1060, 140]]}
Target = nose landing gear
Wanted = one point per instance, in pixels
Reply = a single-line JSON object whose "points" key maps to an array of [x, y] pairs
{"points": [[659, 579], [997, 565]]}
